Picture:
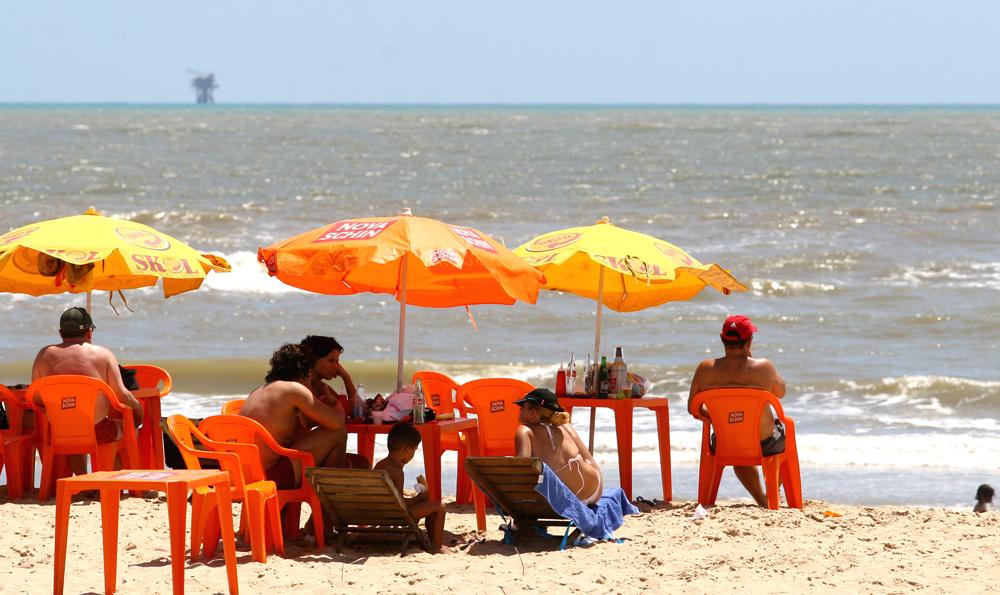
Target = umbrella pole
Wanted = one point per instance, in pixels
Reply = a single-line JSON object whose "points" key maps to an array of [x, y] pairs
{"points": [[597, 348], [89, 292], [402, 324]]}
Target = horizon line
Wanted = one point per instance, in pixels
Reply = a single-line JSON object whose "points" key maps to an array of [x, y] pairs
{"points": [[504, 104]]}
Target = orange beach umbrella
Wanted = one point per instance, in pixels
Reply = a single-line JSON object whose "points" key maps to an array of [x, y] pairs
{"points": [[420, 261]]}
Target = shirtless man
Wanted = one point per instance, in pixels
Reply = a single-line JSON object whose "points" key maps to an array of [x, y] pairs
{"points": [[545, 434], [278, 406], [78, 355], [738, 368]]}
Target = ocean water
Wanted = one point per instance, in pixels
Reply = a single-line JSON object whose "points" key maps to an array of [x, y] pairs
{"points": [[868, 237]]}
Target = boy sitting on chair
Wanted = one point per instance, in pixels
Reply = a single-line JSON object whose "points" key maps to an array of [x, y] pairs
{"points": [[403, 442]]}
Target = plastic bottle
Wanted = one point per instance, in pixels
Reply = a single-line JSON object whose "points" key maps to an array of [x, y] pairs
{"points": [[418, 404], [588, 378], [619, 372], [561, 382], [603, 378], [358, 410]]}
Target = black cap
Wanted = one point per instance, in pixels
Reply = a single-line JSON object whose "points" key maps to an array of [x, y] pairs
{"points": [[542, 397], [76, 320]]}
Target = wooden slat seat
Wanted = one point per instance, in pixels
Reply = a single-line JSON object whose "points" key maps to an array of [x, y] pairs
{"points": [[362, 501], [510, 483]]}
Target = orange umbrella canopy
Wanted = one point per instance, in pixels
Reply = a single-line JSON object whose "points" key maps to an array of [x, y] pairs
{"points": [[444, 265]]}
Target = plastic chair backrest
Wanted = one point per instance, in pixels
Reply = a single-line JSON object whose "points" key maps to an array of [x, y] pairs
{"points": [[69, 402], [14, 409], [440, 391], [492, 400], [233, 407], [153, 377], [185, 432], [234, 433], [735, 415]]}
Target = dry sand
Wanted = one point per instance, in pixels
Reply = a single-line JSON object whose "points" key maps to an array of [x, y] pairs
{"points": [[737, 548]]}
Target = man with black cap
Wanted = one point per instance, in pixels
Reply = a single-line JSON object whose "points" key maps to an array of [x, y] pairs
{"points": [[78, 355], [738, 368], [545, 433]]}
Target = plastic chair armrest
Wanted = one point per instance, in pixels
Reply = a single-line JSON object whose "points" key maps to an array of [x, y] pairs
{"points": [[168, 384], [306, 457]]}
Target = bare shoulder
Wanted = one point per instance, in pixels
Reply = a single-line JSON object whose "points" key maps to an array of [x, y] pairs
{"points": [[764, 364]]}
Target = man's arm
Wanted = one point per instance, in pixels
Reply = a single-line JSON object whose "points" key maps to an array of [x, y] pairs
{"points": [[777, 382], [113, 378], [696, 386], [315, 409]]}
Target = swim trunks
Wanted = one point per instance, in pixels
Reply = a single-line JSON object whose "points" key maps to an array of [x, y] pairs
{"points": [[282, 473], [768, 447]]}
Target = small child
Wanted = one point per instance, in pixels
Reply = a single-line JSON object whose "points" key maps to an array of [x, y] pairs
{"points": [[984, 496], [403, 442]]}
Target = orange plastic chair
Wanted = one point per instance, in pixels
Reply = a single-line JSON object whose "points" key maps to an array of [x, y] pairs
{"points": [[259, 496], [69, 402], [18, 449], [233, 407], [492, 400], [243, 430], [151, 436], [735, 413]]}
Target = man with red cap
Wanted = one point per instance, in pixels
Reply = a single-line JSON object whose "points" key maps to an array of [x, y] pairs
{"points": [[738, 368]]}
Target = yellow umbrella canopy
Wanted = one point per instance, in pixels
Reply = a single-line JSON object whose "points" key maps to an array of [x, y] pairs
{"points": [[89, 252], [639, 271]]}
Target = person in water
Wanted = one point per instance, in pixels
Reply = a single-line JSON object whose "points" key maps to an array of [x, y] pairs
{"points": [[545, 433], [984, 497]]}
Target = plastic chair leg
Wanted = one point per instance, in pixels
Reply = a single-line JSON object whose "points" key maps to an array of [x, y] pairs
{"points": [[713, 490], [291, 516], [202, 505], [48, 475], [273, 522], [463, 485], [771, 486]]}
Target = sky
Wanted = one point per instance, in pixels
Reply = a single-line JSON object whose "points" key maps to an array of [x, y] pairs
{"points": [[510, 52]]}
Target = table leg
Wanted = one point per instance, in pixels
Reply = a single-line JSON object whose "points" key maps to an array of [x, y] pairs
{"points": [[63, 496], [623, 429], [225, 508], [109, 529], [432, 462], [663, 438], [478, 498], [152, 417], [366, 446], [177, 512]]}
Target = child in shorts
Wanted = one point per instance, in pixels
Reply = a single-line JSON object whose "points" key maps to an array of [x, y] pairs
{"points": [[403, 442]]}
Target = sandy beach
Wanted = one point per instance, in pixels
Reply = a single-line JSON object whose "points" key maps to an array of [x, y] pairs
{"points": [[885, 549]]}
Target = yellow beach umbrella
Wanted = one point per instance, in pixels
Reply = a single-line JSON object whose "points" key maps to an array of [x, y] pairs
{"points": [[85, 252], [624, 270]]}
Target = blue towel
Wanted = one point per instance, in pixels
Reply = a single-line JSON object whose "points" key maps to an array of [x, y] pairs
{"points": [[599, 520]]}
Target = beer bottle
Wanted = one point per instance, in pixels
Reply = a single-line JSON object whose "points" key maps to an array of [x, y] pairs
{"points": [[619, 372], [603, 379]]}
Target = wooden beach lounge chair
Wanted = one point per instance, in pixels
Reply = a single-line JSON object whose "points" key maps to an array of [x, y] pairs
{"points": [[510, 483], [735, 415], [362, 501]]}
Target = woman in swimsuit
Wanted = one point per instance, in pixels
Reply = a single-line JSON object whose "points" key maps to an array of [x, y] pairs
{"points": [[545, 434]]}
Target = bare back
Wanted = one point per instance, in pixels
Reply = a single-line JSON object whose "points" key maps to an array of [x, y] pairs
{"points": [[86, 359], [278, 405], [741, 371], [561, 449]]}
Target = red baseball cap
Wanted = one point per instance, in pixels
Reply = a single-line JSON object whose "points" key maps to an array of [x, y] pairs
{"points": [[739, 325]]}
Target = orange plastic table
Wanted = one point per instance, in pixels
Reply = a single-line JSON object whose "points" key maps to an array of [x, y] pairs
{"points": [[430, 437], [624, 409], [176, 484]]}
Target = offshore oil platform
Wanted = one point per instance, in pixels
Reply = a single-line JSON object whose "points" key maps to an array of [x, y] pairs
{"points": [[203, 85]]}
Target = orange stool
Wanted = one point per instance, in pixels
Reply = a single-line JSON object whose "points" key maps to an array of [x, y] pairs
{"points": [[176, 484], [735, 413]]}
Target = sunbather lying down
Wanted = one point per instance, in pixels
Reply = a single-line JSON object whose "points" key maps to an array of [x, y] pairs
{"points": [[545, 434]]}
